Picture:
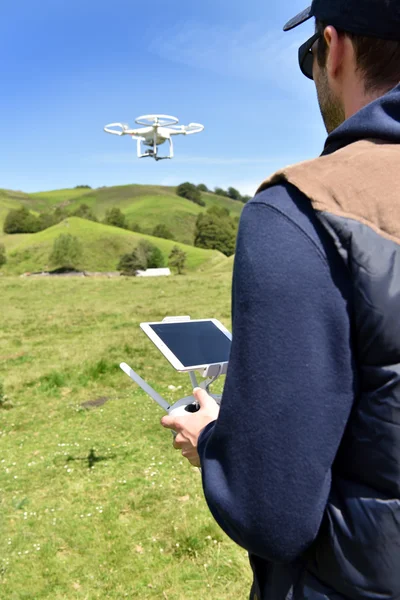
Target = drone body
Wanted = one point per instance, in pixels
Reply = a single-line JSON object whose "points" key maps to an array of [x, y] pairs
{"points": [[156, 131]]}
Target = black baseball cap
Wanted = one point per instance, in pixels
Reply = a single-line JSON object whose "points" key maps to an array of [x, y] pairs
{"points": [[373, 18]]}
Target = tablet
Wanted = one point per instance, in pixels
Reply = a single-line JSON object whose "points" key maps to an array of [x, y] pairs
{"points": [[191, 345]]}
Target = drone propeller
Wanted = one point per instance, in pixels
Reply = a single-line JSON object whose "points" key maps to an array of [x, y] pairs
{"points": [[124, 129], [188, 129], [156, 120]]}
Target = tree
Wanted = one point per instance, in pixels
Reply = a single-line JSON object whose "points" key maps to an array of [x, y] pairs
{"points": [[162, 231], [234, 194], [3, 257], [202, 187], [129, 264], [46, 220], [245, 199], [84, 212], [145, 256], [219, 211], [220, 192], [177, 259], [190, 192], [114, 216], [150, 256], [67, 251], [216, 231], [83, 187], [20, 221], [156, 259]]}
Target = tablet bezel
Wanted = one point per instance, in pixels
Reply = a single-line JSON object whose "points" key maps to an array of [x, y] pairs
{"points": [[169, 355]]}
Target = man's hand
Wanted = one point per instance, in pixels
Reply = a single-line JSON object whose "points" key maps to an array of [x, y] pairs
{"points": [[188, 428]]}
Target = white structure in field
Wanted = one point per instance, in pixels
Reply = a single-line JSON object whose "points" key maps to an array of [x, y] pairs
{"points": [[154, 273], [156, 131]]}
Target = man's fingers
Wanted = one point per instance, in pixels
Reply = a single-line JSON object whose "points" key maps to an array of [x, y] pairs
{"points": [[202, 396], [168, 423], [179, 441]]}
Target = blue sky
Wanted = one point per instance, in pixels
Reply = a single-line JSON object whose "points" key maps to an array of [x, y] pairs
{"points": [[69, 67]]}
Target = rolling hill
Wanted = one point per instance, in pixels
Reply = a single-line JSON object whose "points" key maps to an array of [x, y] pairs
{"points": [[145, 205], [102, 248]]}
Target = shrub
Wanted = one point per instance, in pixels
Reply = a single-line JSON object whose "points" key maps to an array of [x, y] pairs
{"points": [[67, 251], [114, 216], [84, 212], [129, 264], [190, 192], [220, 192], [135, 227], [202, 187], [150, 255], [145, 256], [20, 221], [216, 230], [234, 194], [46, 220], [177, 259], [162, 231], [3, 257]]}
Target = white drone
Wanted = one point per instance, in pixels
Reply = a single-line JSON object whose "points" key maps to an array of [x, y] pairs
{"points": [[157, 130]]}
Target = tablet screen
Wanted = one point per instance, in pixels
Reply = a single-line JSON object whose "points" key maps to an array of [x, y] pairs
{"points": [[194, 343]]}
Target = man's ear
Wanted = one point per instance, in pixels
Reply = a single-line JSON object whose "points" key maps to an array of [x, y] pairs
{"points": [[336, 51]]}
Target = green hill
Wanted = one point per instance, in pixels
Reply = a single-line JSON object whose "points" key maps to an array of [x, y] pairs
{"points": [[145, 205], [102, 248]]}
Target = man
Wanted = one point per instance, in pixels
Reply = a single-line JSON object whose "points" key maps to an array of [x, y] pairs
{"points": [[302, 466]]}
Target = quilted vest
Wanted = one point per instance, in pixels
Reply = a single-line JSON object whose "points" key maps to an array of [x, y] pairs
{"points": [[356, 195]]}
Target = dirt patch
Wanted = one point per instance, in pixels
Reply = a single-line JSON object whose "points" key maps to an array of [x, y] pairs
{"points": [[95, 403]]}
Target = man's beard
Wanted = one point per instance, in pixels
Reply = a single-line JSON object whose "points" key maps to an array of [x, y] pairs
{"points": [[331, 109]]}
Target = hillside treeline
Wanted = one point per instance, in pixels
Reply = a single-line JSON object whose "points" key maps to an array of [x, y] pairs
{"points": [[215, 228]]}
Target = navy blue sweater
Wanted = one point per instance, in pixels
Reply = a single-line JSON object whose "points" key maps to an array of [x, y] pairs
{"points": [[267, 460]]}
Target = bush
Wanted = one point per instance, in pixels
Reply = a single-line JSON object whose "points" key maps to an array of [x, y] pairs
{"points": [[219, 211], [46, 220], [135, 227], [245, 199], [20, 221], [129, 264], [67, 251], [216, 230], [156, 259], [162, 231], [150, 255], [177, 259], [190, 192], [83, 187], [234, 194], [220, 192], [84, 212], [3, 257], [202, 187], [115, 217], [145, 256]]}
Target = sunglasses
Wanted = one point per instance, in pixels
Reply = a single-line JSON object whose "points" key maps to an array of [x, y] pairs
{"points": [[306, 56]]}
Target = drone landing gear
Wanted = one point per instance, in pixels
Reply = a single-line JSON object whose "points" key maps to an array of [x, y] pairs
{"points": [[153, 152]]}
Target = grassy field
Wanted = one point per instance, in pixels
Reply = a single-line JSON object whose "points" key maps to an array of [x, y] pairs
{"points": [[95, 503]]}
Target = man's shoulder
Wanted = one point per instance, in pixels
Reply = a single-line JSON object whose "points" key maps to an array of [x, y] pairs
{"points": [[294, 206]]}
